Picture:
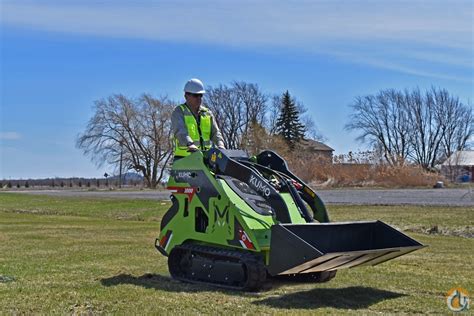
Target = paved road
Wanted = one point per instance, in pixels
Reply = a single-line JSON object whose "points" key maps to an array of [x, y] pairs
{"points": [[449, 197]]}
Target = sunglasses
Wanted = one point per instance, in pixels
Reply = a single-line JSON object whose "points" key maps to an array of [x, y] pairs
{"points": [[195, 95]]}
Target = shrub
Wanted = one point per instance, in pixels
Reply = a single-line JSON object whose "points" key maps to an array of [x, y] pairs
{"points": [[320, 171]]}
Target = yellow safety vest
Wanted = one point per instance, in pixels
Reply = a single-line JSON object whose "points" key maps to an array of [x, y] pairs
{"points": [[200, 133]]}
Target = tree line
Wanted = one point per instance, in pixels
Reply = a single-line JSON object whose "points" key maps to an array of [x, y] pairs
{"points": [[413, 126], [134, 133], [70, 183]]}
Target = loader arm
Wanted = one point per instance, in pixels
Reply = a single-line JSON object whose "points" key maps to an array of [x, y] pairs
{"points": [[221, 164]]}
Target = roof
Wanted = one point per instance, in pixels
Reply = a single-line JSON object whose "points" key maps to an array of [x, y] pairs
{"points": [[315, 145], [460, 158]]}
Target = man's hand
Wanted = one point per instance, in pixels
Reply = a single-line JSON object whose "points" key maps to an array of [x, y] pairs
{"points": [[192, 148]]}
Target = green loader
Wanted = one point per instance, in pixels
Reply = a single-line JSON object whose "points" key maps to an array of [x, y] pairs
{"points": [[236, 221]]}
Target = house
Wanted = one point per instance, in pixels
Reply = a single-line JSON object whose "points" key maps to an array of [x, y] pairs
{"points": [[459, 166], [317, 148]]}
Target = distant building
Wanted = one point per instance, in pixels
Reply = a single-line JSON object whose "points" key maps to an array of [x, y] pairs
{"points": [[459, 167], [317, 148]]}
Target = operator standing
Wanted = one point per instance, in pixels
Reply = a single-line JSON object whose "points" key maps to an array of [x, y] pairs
{"points": [[193, 126]]}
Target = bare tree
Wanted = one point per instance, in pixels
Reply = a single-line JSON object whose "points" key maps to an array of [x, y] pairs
{"points": [[311, 130], [456, 121], [222, 101], [426, 135], [134, 131], [272, 114], [442, 125], [235, 108], [421, 127], [383, 122]]}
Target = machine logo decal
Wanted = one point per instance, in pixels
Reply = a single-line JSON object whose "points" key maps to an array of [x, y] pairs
{"points": [[245, 240], [183, 175], [189, 191], [241, 238], [222, 218], [259, 185]]}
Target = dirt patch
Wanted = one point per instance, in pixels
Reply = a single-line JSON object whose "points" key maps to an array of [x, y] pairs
{"points": [[465, 232], [6, 278]]}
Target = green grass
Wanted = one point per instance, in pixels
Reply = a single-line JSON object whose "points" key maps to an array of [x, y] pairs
{"points": [[82, 255]]}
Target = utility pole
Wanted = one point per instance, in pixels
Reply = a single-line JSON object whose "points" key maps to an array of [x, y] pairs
{"points": [[120, 166]]}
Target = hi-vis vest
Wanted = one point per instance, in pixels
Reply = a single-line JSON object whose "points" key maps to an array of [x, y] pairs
{"points": [[200, 133]]}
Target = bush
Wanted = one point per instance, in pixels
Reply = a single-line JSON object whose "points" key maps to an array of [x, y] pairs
{"points": [[320, 171]]}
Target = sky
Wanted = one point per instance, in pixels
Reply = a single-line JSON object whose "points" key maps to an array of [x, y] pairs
{"points": [[57, 57]]}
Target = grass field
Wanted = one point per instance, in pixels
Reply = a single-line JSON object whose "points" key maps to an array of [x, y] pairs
{"points": [[78, 255]]}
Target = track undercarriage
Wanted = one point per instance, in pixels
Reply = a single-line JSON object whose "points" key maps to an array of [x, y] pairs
{"points": [[225, 268]]}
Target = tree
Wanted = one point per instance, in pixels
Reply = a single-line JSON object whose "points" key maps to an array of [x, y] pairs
{"points": [[383, 122], [134, 131], [455, 120], [441, 125], [272, 115], [426, 135], [236, 108], [258, 139], [288, 123], [411, 125]]}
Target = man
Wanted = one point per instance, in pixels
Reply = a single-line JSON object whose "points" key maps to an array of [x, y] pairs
{"points": [[193, 125]]}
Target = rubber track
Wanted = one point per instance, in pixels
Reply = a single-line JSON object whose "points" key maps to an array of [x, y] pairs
{"points": [[255, 271]]}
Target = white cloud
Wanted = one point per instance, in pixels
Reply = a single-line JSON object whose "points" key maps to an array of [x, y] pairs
{"points": [[310, 26], [9, 136]]}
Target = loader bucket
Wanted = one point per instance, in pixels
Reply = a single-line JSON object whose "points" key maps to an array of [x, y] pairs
{"points": [[315, 247]]}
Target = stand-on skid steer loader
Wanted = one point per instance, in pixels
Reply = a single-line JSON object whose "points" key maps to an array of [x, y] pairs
{"points": [[235, 220]]}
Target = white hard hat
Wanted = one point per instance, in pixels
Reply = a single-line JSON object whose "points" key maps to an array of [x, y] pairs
{"points": [[194, 86]]}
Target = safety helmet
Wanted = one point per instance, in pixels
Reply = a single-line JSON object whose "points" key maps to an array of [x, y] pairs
{"points": [[194, 86]]}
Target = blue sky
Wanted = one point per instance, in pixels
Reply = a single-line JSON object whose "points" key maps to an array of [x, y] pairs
{"points": [[58, 57]]}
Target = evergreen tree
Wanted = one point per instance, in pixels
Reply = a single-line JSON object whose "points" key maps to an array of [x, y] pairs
{"points": [[288, 123]]}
